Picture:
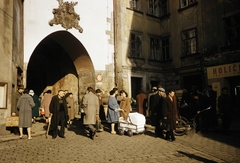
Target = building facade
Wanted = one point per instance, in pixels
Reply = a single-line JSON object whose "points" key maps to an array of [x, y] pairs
{"points": [[177, 44]]}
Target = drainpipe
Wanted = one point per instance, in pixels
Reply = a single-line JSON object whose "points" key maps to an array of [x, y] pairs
{"points": [[115, 40]]}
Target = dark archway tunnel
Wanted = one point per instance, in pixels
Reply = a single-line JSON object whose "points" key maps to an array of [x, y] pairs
{"points": [[53, 58]]}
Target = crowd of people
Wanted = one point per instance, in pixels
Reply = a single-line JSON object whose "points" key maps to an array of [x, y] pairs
{"points": [[161, 109]]}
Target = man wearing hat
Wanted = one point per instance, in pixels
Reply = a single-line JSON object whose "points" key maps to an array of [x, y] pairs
{"points": [[14, 110], [149, 107], [15, 97], [157, 104]]}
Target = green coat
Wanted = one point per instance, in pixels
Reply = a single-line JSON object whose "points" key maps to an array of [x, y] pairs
{"points": [[35, 111]]}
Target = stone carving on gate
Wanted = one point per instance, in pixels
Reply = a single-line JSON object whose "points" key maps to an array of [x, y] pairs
{"points": [[66, 16]]}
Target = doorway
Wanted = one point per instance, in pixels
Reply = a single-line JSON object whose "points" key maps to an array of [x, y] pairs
{"points": [[136, 85]]}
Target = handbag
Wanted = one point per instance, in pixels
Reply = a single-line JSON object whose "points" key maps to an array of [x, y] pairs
{"points": [[12, 121]]}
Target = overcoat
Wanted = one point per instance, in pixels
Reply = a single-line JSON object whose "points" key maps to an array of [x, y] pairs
{"points": [[15, 98], [70, 104], [54, 109], [91, 108], [46, 102], [125, 105], [102, 115], [35, 111], [25, 105], [113, 114], [140, 98], [169, 112]]}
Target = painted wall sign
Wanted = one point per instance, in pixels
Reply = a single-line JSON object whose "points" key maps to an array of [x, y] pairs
{"points": [[221, 71]]}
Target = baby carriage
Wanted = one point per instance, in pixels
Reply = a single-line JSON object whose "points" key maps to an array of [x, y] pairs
{"points": [[135, 124]]}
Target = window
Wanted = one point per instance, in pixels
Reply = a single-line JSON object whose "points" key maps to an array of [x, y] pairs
{"points": [[163, 7], [135, 4], [232, 29], [153, 7], [185, 3], [159, 48], [189, 42], [154, 48], [165, 47], [135, 45]]}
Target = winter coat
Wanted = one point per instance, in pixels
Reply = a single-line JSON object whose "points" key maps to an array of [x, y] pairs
{"points": [[15, 98], [102, 115], [224, 104], [170, 112], [140, 99], [25, 105], [91, 108], [113, 114], [46, 102], [35, 111], [157, 105], [70, 104], [54, 109], [125, 105]]}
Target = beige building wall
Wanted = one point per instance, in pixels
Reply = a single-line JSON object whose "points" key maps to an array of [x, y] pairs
{"points": [[11, 53]]}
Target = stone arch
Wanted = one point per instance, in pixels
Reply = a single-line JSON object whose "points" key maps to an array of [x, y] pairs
{"points": [[60, 61]]}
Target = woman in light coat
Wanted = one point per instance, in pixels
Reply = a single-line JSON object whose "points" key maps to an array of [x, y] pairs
{"points": [[25, 105]]}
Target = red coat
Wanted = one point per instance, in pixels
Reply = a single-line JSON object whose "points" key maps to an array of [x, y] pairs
{"points": [[140, 98]]}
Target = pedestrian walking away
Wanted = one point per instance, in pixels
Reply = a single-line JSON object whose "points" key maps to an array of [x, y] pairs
{"points": [[90, 105], [14, 110], [25, 105], [35, 111]]}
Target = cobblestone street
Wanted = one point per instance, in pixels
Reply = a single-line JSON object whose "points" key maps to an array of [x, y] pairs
{"points": [[77, 147]]}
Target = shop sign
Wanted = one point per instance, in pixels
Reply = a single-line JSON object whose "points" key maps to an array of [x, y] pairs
{"points": [[221, 71]]}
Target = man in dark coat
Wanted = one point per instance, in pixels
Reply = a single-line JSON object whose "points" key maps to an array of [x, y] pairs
{"points": [[150, 104], [169, 113], [157, 104], [225, 106], [58, 109]]}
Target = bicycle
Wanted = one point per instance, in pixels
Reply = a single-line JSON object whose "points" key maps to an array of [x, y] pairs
{"points": [[183, 125]]}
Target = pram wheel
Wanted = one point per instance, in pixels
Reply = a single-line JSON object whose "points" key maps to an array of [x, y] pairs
{"points": [[121, 132], [130, 133]]}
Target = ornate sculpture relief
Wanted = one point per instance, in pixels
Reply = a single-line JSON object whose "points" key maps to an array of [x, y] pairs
{"points": [[66, 16]]}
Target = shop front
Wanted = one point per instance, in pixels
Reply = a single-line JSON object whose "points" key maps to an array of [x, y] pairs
{"points": [[227, 75]]}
